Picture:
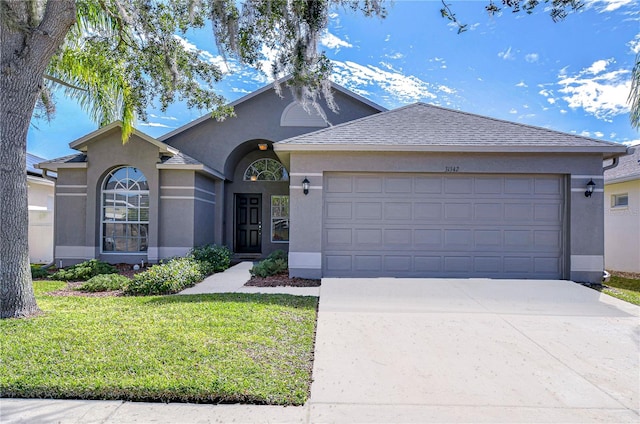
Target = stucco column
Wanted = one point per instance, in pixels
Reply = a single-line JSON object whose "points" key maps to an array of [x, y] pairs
{"points": [[586, 233], [305, 227]]}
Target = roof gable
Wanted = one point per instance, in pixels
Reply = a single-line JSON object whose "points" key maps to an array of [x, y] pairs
{"points": [[426, 127], [82, 143], [256, 93]]}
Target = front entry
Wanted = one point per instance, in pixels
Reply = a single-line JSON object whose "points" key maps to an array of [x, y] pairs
{"points": [[248, 223]]}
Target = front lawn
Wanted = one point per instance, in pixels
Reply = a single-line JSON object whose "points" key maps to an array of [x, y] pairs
{"points": [[200, 348], [627, 289]]}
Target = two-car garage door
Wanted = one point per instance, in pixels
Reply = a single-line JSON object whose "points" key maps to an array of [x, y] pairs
{"points": [[443, 225]]}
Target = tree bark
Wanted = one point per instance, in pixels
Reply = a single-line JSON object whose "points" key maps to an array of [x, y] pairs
{"points": [[27, 43]]}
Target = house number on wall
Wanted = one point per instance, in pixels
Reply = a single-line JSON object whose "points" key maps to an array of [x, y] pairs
{"points": [[451, 168]]}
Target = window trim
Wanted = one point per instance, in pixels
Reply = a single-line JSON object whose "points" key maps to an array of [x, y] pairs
{"points": [[615, 201], [102, 218], [271, 218]]}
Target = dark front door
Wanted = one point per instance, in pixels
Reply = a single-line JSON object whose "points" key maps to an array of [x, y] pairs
{"points": [[248, 223]]}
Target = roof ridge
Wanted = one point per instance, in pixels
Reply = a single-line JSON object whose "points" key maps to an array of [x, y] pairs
{"points": [[520, 124]]}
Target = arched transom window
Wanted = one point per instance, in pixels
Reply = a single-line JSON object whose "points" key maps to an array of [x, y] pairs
{"points": [[266, 170], [125, 211]]}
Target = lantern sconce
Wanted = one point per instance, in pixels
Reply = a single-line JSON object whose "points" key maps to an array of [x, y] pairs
{"points": [[590, 186], [262, 146], [254, 178], [305, 186]]}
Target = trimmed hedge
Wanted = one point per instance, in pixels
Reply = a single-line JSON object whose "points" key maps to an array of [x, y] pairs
{"points": [[212, 258], [276, 263], [38, 273], [167, 278], [83, 271], [104, 282]]}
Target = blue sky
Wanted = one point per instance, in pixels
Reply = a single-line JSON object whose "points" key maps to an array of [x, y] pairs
{"points": [[572, 76]]}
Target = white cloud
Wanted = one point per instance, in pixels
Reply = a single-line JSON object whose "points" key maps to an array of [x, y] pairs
{"points": [[597, 67], [608, 5], [585, 134], [513, 111], [387, 38], [359, 78], [599, 92], [331, 41], [446, 89], [506, 55], [168, 118], [632, 143], [551, 100], [634, 44], [598, 134], [563, 111], [522, 84], [394, 56], [226, 66], [154, 124], [546, 93], [532, 57]]}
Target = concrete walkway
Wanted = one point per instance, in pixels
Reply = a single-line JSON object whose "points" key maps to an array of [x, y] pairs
{"points": [[233, 279], [434, 350]]}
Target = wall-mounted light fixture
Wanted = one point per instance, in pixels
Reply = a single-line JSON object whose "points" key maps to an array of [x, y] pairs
{"points": [[590, 186], [254, 178], [263, 146], [305, 186]]}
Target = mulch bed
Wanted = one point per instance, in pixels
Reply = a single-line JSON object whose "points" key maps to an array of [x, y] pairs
{"points": [[280, 280]]}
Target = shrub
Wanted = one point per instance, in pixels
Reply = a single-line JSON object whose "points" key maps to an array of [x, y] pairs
{"points": [[166, 278], [276, 263], [212, 258], [104, 282], [38, 273], [84, 271], [278, 254]]}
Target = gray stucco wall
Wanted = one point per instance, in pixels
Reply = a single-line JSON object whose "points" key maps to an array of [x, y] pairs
{"points": [[584, 236], [205, 210], [104, 154], [177, 206], [69, 218], [258, 118]]}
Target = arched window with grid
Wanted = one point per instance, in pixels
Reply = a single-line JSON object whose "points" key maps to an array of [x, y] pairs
{"points": [[125, 211], [266, 170]]}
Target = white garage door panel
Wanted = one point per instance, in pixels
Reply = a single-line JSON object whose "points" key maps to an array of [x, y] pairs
{"points": [[443, 225]]}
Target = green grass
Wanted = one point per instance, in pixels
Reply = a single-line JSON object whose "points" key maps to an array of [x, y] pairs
{"points": [[200, 348], [627, 289]]}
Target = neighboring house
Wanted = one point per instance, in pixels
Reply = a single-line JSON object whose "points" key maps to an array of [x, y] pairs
{"points": [[40, 191], [416, 191], [622, 214]]}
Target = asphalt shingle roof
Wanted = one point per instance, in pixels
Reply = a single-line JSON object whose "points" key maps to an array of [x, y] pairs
{"points": [[421, 124], [628, 168], [75, 158], [180, 159], [32, 160]]}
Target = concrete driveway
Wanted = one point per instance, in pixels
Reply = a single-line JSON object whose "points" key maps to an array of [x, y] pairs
{"points": [[473, 350]]}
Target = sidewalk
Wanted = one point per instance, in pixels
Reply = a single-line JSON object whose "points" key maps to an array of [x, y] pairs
{"points": [[37, 411], [233, 279]]}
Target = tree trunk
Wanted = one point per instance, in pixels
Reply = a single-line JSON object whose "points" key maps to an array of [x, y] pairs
{"points": [[27, 43]]}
